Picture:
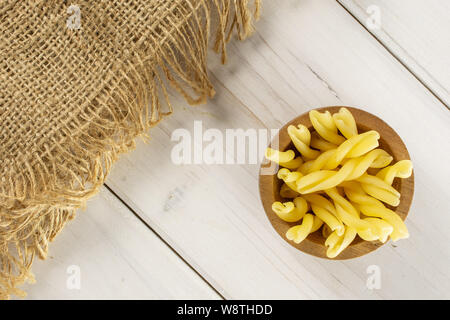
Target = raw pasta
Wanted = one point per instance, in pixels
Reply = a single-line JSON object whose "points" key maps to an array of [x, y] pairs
{"points": [[337, 243], [290, 178], [284, 159], [368, 229], [352, 169], [402, 169], [346, 123], [326, 212], [309, 225], [379, 189], [327, 184], [325, 126], [352, 148], [301, 137], [291, 211], [372, 207]]}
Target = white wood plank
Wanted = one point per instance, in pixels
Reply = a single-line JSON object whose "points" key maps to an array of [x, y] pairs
{"points": [[117, 256], [416, 32], [305, 54]]}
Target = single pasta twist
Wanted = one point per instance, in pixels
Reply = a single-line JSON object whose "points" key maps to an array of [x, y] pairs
{"points": [[372, 207], [402, 169], [368, 229], [289, 178], [291, 211], [379, 189], [301, 138], [383, 228], [310, 224], [336, 243], [325, 126], [354, 147], [345, 123], [352, 169], [325, 210], [284, 159]]}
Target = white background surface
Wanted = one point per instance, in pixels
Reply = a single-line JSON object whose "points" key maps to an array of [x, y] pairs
{"points": [[158, 230]]}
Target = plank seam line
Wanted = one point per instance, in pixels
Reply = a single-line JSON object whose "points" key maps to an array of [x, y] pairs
{"points": [[164, 241], [395, 56]]}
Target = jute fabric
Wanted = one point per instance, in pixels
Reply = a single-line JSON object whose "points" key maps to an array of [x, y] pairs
{"points": [[75, 92]]}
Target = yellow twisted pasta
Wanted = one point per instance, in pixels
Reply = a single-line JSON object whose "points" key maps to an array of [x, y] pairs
{"points": [[402, 169], [372, 207], [324, 124], [289, 178], [354, 147], [379, 189], [345, 123], [352, 169], [383, 229], [279, 156], [291, 211], [336, 162], [309, 225], [336, 243], [350, 216], [325, 210], [368, 230], [301, 137], [284, 159]]}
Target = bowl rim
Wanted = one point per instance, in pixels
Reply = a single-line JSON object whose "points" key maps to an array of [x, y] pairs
{"points": [[268, 182]]}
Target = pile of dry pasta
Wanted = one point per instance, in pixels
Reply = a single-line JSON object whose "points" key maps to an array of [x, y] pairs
{"points": [[329, 187]]}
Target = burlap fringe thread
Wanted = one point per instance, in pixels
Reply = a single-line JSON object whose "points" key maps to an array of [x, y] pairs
{"points": [[141, 89]]}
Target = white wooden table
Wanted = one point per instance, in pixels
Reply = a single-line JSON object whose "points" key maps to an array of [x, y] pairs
{"points": [[158, 230]]}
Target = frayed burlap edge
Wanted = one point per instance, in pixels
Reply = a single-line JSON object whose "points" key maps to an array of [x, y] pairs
{"points": [[138, 90]]}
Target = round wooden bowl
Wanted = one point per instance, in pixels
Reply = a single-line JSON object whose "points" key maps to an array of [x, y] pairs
{"points": [[269, 184]]}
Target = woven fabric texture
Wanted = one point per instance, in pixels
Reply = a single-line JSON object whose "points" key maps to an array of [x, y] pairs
{"points": [[75, 96]]}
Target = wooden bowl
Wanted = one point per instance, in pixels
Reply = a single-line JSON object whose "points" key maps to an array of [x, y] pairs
{"points": [[269, 184]]}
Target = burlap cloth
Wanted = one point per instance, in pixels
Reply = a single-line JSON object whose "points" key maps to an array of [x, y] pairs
{"points": [[72, 99]]}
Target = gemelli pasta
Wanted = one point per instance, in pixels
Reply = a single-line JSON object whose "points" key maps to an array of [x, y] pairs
{"points": [[338, 180]]}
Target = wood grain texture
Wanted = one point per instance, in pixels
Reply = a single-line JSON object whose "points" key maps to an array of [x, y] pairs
{"points": [[314, 244], [416, 32], [304, 54], [117, 258]]}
